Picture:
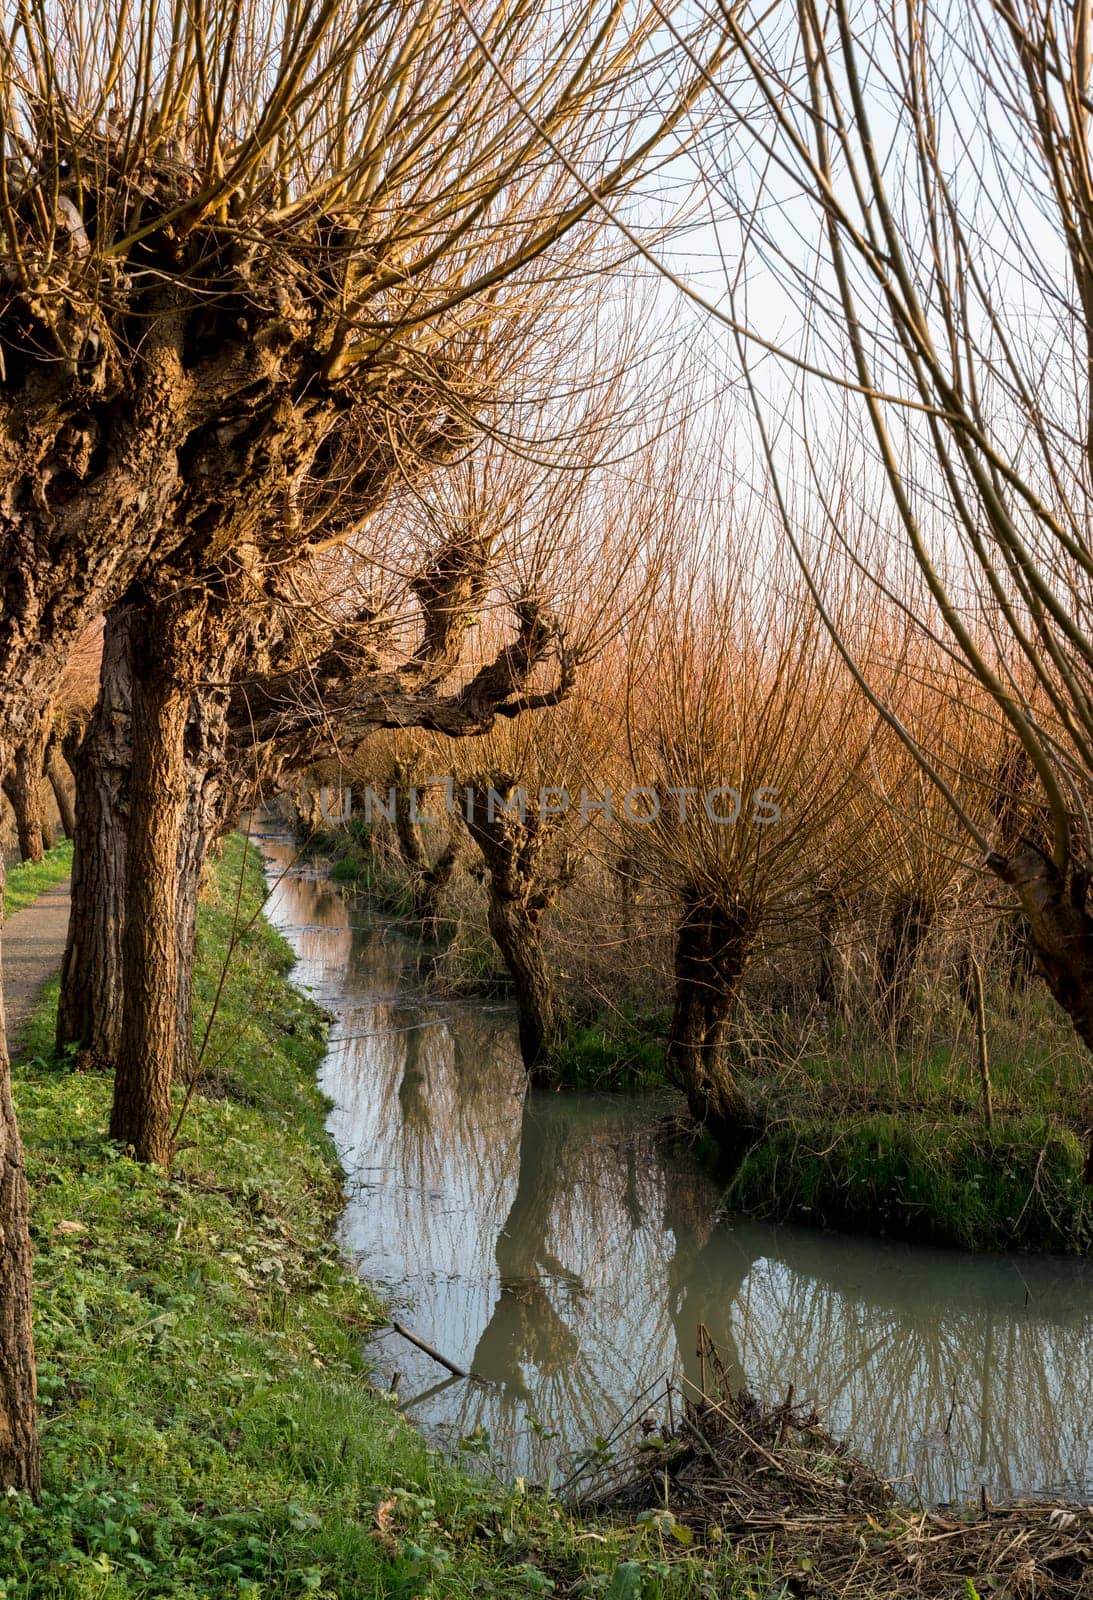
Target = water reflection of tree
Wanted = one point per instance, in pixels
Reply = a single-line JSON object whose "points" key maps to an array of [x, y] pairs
{"points": [[704, 1278], [488, 1075], [559, 1345], [913, 1353], [524, 1326]]}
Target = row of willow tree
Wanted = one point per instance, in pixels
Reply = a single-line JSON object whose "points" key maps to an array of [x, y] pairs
{"points": [[713, 839], [266, 271]]}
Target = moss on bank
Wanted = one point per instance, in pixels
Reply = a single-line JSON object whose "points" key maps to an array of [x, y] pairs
{"points": [[24, 882], [624, 1052], [208, 1429], [1017, 1186]]}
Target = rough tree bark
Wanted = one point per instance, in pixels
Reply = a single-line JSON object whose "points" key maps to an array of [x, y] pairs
{"points": [[520, 888], [90, 1009], [98, 960], [711, 957], [140, 1116], [1060, 930], [19, 1457], [22, 782], [207, 812], [428, 879], [515, 924]]}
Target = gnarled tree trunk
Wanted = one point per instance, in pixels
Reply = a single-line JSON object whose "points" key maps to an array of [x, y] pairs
{"points": [[712, 953], [96, 966], [90, 1010], [141, 1112], [1060, 931], [519, 890], [19, 1458], [514, 923], [22, 782]]}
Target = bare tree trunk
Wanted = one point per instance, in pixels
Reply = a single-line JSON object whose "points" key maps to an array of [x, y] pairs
{"points": [[712, 951], [1060, 930], [519, 890], [94, 973], [141, 1113], [22, 783], [19, 1458], [428, 879], [207, 811], [515, 926], [55, 772], [180, 799], [90, 1010], [908, 923]]}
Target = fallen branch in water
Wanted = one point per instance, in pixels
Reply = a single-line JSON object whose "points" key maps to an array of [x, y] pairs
{"points": [[457, 1372]]}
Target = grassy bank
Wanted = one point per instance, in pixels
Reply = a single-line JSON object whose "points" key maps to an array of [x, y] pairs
{"points": [[623, 1052], [912, 1160], [1016, 1186], [207, 1427], [24, 882]]}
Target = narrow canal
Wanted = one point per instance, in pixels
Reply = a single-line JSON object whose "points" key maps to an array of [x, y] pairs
{"points": [[565, 1250]]}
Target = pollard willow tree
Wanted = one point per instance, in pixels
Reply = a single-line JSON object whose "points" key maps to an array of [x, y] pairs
{"points": [[521, 784], [913, 184], [292, 664], [748, 757], [222, 228]]}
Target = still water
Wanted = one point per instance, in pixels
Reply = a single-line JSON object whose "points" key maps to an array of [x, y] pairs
{"points": [[566, 1251]]}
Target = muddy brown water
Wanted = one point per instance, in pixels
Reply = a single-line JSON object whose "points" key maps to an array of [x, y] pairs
{"points": [[563, 1249]]}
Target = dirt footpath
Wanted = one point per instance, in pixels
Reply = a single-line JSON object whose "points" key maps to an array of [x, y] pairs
{"points": [[33, 944]]}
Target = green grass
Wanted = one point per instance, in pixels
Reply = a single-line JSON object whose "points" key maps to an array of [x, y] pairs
{"points": [[621, 1052], [1016, 1187], [208, 1426], [868, 1139], [25, 882]]}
